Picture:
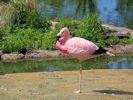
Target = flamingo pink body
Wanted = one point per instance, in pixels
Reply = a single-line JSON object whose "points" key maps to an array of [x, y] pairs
{"points": [[76, 47], [79, 48]]}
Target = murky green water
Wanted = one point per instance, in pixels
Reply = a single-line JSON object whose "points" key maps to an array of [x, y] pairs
{"points": [[50, 65], [116, 12]]}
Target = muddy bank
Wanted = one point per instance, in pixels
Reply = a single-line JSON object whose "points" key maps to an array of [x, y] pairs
{"points": [[116, 49], [121, 49], [97, 85]]}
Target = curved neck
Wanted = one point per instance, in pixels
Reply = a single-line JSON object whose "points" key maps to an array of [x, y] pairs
{"points": [[64, 39], [61, 47]]}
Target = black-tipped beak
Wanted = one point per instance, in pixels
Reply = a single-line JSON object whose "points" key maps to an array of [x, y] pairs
{"points": [[57, 38]]}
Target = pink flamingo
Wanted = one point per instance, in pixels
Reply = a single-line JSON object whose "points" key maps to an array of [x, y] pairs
{"points": [[79, 48]]}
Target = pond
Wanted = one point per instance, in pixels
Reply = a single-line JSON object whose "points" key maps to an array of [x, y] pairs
{"points": [[66, 64], [116, 12]]}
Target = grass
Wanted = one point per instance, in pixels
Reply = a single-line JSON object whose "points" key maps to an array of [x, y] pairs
{"points": [[28, 30], [115, 40], [25, 39], [6, 13], [91, 29]]}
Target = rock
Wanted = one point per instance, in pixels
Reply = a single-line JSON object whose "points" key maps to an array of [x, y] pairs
{"points": [[117, 31], [12, 56], [54, 24], [44, 54], [121, 49], [3, 88], [77, 24]]}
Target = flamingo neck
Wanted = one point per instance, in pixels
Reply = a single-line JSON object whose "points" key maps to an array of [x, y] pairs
{"points": [[64, 39], [60, 44], [61, 47]]}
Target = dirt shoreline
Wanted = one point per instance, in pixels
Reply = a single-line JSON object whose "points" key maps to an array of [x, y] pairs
{"points": [[97, 85], [35, 53]]}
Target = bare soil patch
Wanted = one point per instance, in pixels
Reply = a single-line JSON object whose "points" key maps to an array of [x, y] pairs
{"points": [[97, 85]]}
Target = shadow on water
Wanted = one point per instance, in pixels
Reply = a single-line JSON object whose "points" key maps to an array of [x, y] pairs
{"points": [[115, 92]]}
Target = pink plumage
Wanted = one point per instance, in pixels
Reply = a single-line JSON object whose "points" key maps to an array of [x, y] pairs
{"points": [[80, 48], [76, 47]]}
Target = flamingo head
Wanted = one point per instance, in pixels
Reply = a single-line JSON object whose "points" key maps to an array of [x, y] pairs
{"points": [[64, 33]]}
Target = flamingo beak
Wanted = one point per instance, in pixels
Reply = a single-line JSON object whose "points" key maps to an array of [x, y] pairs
{"points": [[58, 38], [60, 34]]}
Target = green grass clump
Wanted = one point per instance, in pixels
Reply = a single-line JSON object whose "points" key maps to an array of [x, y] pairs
{"points": [[6, 13], [67, 22], [25, 39], [27, 29], [112, 40], [91, 29], [49, 40], [116, 40], [26, 15]]}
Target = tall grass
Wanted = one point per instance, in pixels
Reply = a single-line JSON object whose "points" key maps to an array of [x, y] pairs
{"points": [[6, 15], [26, 28], [24, 4], [12, 12], [25, 39], [91, 29]]}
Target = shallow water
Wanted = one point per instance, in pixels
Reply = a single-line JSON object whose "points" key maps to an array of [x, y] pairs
{"points": [[116, 12], [66, 64]]}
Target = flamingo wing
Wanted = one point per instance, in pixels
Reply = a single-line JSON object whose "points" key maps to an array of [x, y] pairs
{"points": [[80, 48]]}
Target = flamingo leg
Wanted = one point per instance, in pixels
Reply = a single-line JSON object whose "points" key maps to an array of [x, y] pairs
{"points": [[80, 80]]}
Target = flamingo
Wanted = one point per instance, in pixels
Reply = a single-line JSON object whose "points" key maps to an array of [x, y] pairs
{"points": [[79, 48]]}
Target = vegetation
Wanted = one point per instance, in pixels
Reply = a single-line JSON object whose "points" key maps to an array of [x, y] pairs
{"points": [[6, 13], [28, 30], [69, 23], [22, 28], [91, 29], [25, 39], [116, 40]]}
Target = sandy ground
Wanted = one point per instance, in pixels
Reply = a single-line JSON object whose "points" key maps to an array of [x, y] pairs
{"points": [[97, 85]]}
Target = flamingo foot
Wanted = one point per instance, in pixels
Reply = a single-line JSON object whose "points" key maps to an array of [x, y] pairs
{"points": [[78, 91]]}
